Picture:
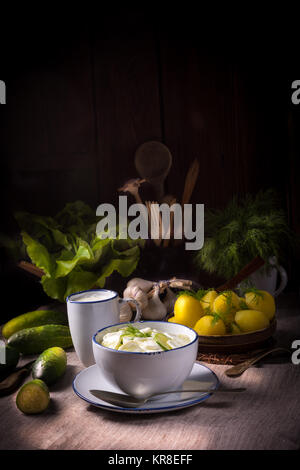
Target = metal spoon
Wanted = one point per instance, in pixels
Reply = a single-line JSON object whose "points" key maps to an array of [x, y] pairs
{"points": [[129, 401]]}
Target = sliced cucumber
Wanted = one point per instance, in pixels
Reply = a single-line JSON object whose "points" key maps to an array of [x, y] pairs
{"points": [[33, 397], [162, 341]]}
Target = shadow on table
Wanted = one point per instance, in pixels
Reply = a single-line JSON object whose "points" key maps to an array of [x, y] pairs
{"points": [[142, 417], [278, 359], [65, 381]]}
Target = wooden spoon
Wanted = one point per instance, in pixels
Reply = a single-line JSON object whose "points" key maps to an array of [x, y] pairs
{"points": [[171, 228], [132, 187], [153, 161], [239, 369], [189, 186], [190, 182], [155, 220]]}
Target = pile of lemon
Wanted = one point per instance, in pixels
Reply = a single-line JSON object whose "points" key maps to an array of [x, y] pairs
{"points": [[213, 313]]}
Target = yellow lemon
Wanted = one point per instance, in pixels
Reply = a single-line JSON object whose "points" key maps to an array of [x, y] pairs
{"points": [[187, 310], [208, 299], [226, 305], [251, 320], [261, 300], [209, 325]]}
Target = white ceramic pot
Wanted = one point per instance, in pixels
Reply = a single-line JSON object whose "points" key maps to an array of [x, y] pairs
{"points": [[267, 280], [142, 374]]}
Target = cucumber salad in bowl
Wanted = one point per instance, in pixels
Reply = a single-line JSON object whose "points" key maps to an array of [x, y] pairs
{"points": [[130, 338]]}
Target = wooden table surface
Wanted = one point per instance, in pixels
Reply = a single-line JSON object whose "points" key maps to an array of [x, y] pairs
{"points": [[265, 416]]}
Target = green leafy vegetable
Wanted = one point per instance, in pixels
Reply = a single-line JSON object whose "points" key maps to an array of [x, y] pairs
{"points": [[246, 228], [71, 254]]}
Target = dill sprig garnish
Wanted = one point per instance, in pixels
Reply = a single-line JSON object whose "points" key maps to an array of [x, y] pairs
{"points": [[216, 318], [243, 305], [257, 293], [199, 294]]}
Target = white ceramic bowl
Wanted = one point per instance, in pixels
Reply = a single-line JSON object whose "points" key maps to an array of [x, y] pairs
{"points": [[142, 374]]}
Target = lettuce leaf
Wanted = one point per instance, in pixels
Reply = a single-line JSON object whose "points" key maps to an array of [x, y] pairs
{"points": [[39, 254], [71, 254]]}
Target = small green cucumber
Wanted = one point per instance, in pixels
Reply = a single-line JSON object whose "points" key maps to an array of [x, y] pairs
{"points": [[50, 365], [35, 318], [35, 340]]}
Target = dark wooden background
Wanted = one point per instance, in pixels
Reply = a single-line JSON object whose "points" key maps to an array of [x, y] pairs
{"points": [[79, 105]]}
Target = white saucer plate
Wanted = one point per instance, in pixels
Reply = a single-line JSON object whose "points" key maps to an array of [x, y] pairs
{"points": [[200, 377]]}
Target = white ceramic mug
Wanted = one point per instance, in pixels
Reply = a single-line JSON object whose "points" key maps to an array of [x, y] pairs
{"points": [[88, 316], [267, 280]]}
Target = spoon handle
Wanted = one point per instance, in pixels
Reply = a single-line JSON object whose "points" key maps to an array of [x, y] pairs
{"points": [[129, 401], [237, 370], [12, 381], [218, 390]]}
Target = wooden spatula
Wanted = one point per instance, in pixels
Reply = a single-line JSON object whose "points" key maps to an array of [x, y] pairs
{"points": [[153, 161], [190, 182]]}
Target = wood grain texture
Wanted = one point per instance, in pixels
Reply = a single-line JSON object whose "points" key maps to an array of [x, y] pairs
{"points": [[77, 112], [265, 416], [89, 103], [127, 107], [216, 109], [197, 112], [48, 132]]}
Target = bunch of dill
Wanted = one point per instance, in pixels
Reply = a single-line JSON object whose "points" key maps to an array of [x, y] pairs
{"points": [[246, 228]]}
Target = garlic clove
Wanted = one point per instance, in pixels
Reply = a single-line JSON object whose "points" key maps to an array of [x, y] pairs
{"points": [[134, 292], [125, 312], [155, 310], [169, 300], [143, 284]]}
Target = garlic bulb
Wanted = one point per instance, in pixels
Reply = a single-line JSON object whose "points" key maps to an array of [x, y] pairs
{"points": [[146, 293], [125, 312], [155, 309], [143, 284], [169, 300], [134, 292]]}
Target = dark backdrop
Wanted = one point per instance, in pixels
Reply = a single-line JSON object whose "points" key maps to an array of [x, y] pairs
{"points": [[81, 97]]}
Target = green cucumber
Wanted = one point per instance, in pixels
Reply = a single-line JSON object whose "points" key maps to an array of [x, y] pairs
{"points": [[10, 356], [35, 318], [50, 365], [35, 340], [33, 397]]}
